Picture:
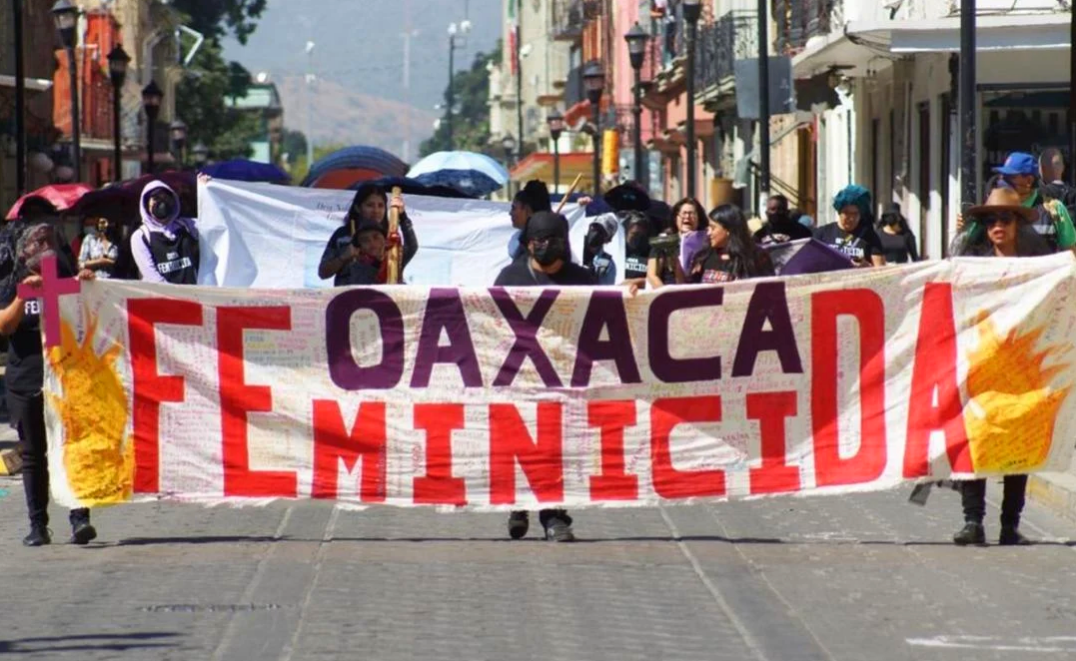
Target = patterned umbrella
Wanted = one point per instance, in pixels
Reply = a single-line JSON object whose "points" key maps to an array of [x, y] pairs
{"points": [[469, 172]]}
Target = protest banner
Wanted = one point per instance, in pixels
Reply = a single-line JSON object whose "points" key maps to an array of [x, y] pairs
{"points": [[272, 237], [508, 399]]}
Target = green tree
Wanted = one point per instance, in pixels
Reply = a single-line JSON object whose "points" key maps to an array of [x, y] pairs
{"points": [[200, 97], [470, 125]]}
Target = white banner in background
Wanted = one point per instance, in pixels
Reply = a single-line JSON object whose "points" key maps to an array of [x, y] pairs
{"points": [[272, 237]]}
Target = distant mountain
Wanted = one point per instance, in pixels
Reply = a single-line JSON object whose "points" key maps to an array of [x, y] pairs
{"points": [[346, 117], [358, 58]]}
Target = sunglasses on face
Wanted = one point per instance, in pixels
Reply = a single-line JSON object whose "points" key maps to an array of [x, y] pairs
{"points": [[998, 219]]}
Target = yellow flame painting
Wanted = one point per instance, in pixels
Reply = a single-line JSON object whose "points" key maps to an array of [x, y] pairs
{"points": [[1012, 409], [97, 455]]}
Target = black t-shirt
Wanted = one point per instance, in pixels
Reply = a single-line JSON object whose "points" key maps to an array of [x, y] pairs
{"points": [[520, 274], [635, 266], [176, 259], [782, 233], [666, 264], [716, 267], [898, 248], [863, 243], [25, 372]]}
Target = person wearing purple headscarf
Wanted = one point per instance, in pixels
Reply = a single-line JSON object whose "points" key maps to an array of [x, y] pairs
{"points": [[165, 247]]}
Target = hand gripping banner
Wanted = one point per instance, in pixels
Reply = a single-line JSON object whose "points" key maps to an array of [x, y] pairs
{"points": [[509, 399]]}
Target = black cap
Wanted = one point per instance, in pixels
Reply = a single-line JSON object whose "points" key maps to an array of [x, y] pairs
{"points": [[546, 225]]}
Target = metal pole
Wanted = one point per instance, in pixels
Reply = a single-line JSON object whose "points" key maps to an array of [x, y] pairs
{"points": [[149, 144], [1072, 99], [117, 152], [451, 93], [764, 99], [637, 110], [519, 80], [76, 132], [20, 102], [556, 165], [597, 150], [968, 189], [309, 106], [692, 36]]}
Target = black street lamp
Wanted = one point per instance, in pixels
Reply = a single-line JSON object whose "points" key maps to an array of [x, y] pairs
{"points": [[508, 142], [692, 12], [177, 131], [118, 60], [555, 120], [66, 16], [20, 101], [151, 102], [200, 153], [457, 38], [637, 38], [594, 82]]}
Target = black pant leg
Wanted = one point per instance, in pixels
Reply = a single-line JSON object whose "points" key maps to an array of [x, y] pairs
{"points": [[28, 414], [973, 498], [544, 516], [1013, 503]]}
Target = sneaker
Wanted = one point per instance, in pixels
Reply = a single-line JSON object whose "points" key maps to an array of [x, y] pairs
{"points": [[518, 525], [82, 533], [39, 536], [559, 530], [971, 533], [1012, 537]]}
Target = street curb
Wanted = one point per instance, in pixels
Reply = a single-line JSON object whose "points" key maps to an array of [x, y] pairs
{"points": [[1055, 491], [10, 462]]}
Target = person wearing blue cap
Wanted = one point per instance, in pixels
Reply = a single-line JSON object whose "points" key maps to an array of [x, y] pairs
{"points": [[1051, 219]]}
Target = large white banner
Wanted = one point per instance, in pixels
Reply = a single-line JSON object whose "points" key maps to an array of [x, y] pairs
{"points": [[579, 397], [272, 237]]}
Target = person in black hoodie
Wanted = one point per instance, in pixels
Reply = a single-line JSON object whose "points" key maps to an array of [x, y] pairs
{"points": [[547, 263], [531, 199], [343, 259], [20, 321], [780, 227]]}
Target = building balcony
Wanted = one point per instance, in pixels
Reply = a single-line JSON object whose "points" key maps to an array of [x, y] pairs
{"points": [[734, 36], [798, 21], [569, 19]]}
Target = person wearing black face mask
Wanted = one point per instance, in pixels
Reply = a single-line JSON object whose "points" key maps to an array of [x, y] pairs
{"points": [[601, 264], [548, 264], [637, 246], [165, 247], [779, 227]]}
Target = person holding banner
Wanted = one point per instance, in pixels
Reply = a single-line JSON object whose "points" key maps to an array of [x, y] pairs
{"points": [[20, 322], [637, 246], [732, 253], [601, 231], [664, 267], [548, 263], [1001, 227], [351, 259], [165, 247]]}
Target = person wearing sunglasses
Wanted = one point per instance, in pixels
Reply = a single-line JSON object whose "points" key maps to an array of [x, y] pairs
{"points": [[1002, 227]]}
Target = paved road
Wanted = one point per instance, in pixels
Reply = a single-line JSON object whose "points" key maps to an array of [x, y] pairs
{"points": [[849, 578]]}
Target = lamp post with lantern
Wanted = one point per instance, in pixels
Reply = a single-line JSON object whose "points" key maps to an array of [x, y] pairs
{"points": [[637, 38], [508, 142], [692, 11], [118, 59], [555, 120], [65, 15], [177, 132], [200, 153], [151, 102], [594, 82]]}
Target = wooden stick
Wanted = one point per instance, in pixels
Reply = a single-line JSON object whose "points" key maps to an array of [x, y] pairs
{"points": [[394, 252], [571, 189]]}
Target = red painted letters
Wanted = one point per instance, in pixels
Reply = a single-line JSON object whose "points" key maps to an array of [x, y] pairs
{"points": [[613, 483], [333, 444], [439, 486], [237, 399], [150, 388], [666, 415], [771, 409], [541, 460]]}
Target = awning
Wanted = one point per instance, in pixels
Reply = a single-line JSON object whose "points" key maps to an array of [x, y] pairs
{"points": [[835, 50], [992, 32], [35, 84], [540, 166]]}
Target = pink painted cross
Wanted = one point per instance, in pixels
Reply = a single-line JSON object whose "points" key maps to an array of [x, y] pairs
{"points": [[52, 288]]}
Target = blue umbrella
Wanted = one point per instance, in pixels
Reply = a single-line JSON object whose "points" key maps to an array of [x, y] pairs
{"points": [[469, 172], [241, 169]]}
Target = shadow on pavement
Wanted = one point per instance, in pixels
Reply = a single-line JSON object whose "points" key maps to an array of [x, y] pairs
{"points": [[118, 642]]}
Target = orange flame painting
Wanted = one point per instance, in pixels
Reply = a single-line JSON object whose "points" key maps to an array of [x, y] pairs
{"points": [[98, 457], [1012, 407]]}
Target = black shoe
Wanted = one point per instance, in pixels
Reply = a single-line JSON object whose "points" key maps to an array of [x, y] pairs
{"points": [[1012, 537], [971, 533], [39, 536], [518, 525], [559, 530], [82, 533]]}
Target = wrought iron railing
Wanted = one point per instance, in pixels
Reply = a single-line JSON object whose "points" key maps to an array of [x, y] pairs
{"points": [[732, 37], [799, 20]]}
